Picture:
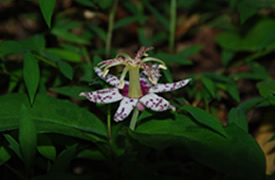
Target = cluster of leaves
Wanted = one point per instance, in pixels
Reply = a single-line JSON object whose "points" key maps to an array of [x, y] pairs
{"points": [[61, 136]]}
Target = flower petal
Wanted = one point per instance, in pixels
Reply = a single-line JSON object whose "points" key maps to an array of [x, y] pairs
{"points": [[169, 86], [110, 79], [125, 107], [155, 102], [103, 96]]}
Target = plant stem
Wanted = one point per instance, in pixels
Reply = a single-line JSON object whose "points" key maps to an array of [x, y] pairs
{"points": [[134, 119], [172, 28], [110, 28]]}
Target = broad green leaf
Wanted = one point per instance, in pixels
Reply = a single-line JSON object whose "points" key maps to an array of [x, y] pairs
{"points": [[4, 155], [206, 146], [47, 9], [27, 137], [66, 69], [13, 145], [63, 160], [52, 115], [45, 147], [31, 73], [65, 54], [237, 116], [210, 86], [71, 91], [87, 73], [128, 20], [10, 47], [64, 34], [206, 119]]}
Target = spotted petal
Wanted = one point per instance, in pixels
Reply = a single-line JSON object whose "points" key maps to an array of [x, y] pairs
{"points": [[103, 96], [110, 79], [125, 107], [155, 102], [158, 88]]}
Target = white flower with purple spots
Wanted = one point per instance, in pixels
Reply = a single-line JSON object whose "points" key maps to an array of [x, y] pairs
{"points": [[148, 98]]}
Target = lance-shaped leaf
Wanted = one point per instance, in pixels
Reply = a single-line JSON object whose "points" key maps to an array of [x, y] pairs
{"points": [[31, 74], [27, 137], [47, 8]]}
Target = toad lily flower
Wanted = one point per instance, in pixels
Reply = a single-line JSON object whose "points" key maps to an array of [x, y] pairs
{"points": [[139, 91]]}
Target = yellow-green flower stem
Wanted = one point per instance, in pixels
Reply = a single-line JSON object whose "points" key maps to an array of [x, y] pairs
{"points": [[134, 83], [134, 119]]}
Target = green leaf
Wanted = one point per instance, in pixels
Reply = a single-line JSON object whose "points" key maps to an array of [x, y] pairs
{"points": [[227, 56], [34, 43], [91, 154], [99, 31], [206, 146], [206, 119], [252, 103], [246, 11], [4, 155], [128, 20], [47, 9], [87, 3], [257, 38], [271, 139], [65, 54], [27, 137], [237, 116], [232, 89], [66, 69], [13, 145], [45, 147], [210, 86], [64, 158], [266, 88], [52, 115], [31, 75], [162, 19], [63, 34], [71, 91]]}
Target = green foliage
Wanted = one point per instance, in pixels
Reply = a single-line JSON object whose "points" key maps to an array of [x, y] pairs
{"points": [[48, 131], [47, 9], [207, 146]]}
